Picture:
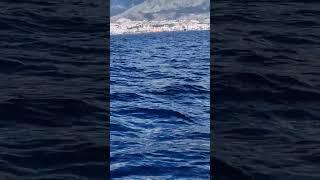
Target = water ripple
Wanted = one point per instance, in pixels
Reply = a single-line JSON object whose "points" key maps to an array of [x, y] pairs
{"points": [[53, 84], [160, 106], [266, 92]]}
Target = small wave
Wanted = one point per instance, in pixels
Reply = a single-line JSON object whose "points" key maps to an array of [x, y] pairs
{"points": [[154, 113], [9, 66]]}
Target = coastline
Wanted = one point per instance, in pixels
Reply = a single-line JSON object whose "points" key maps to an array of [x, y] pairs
{"points": [[146, 33], [127, 27]]}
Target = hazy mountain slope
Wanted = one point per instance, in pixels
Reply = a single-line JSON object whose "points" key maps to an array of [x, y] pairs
{"points": [[167, 9], [119, 6]]}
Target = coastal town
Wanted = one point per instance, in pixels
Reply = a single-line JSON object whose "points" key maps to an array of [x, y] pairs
{"points": [[126, 26]]}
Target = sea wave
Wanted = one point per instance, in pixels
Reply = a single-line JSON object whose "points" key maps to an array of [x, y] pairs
{"points": [[53, 90], [266, 89], [160, 106]]}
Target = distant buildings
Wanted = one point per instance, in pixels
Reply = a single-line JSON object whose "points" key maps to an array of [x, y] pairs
{"points": [[126, 26]]}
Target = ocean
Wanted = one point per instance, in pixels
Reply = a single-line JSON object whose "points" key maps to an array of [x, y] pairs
{"points": [[53, 90], [264, 80], [266, 90], [160, 106]]}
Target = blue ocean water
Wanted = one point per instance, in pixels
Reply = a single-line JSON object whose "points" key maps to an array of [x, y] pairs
{"points": [[160, 108], [53, 115], [266, 90]]}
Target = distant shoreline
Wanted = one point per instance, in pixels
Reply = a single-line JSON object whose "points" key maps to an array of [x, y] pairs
{"points": [[146, 33], [125, 26]]}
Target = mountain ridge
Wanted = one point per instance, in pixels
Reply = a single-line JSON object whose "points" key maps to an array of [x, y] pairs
{"points": [[119, 6], [158, 10]]}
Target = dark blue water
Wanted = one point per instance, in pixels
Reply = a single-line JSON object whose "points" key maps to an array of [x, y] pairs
{"points": [[53, 104], [266, 90], [160, 106]]}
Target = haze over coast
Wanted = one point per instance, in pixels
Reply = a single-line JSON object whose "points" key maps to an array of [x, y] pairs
{"points": [[144, 16]]}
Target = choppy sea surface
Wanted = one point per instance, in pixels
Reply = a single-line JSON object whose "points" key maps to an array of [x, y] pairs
{"points": [[53, 104], [160, 108], [266, 90]]}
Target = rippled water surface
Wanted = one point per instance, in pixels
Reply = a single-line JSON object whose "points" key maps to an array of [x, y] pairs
{"points": [[53, 100], [266, 89], [160, 106]]}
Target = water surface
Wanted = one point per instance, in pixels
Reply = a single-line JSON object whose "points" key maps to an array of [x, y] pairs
{"points": [[266, 89], [53, 105], [160, 106]]}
